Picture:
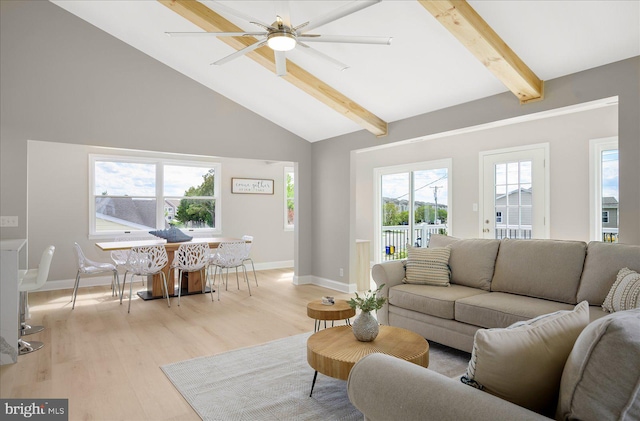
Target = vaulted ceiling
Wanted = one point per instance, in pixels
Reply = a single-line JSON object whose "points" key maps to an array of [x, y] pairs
{"points": [[443, 53]]}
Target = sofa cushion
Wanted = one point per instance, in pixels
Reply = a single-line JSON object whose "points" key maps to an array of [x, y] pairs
{"points": [[472, 261], [601, 267], [429, 299], [498, 309], [548, 269], [426, 266], [523, 363], [440, 240], [624, 293], [601, 378]]}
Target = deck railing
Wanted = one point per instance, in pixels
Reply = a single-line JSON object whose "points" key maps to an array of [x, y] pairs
{"points": [[395, 239]]}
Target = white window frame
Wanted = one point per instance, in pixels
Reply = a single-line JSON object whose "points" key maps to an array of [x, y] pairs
{"points": [[287, 171], [159, 194], [417, 166], [605, 218], [596, 147]]}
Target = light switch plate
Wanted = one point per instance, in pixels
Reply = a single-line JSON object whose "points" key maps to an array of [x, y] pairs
{"points": [[8, 221]]}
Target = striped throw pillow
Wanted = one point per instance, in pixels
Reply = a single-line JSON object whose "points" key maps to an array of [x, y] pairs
{"points": [[624, 293], [427, 266]]}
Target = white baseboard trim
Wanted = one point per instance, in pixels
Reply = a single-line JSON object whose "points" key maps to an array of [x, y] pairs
{"points": [[325, 283], [297, 280], [284, 264], [86, 281]]}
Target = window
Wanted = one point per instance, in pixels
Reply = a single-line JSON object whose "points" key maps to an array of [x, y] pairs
{"points": [[289, 196], [603, 185], [138, 194], [498, 217], [412, 203]]}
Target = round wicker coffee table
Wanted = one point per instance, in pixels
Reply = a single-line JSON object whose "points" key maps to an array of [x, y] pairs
{"points": [[334, 351], [340, 310]]}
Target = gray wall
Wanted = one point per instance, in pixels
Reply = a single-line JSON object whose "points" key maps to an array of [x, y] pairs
{"points": [[568, 137], [60, 215], [63, 80], [333, 235]]}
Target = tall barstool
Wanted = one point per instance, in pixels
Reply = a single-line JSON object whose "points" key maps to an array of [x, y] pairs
{"points": [[31, 280]]}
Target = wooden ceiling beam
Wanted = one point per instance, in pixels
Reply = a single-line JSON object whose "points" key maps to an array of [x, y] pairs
{"points": [[210, 21], [474, 33]]}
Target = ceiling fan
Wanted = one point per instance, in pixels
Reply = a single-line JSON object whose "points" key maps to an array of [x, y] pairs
{"points": [[282, 36]]}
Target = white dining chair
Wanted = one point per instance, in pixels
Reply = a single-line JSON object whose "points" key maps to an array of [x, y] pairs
{"points": [[248, 239], [228, 255], [120, 257], [91, 267], [190, 257], [31, 280], [146, 261]]}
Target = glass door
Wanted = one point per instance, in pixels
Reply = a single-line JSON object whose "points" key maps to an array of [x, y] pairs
{"points": [[514, 195], [414, 203]]}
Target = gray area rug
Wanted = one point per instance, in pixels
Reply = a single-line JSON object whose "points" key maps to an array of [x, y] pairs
{"points": [[272, 381]]}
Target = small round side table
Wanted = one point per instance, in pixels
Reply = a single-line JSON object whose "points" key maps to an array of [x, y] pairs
{"points": [[340, 310]]}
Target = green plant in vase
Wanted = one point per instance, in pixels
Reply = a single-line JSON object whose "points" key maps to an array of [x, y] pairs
{"points": [[365, 326]]}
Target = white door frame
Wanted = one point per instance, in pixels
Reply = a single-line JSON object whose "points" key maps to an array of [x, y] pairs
{"points": [[596, 147], [547, 184]]}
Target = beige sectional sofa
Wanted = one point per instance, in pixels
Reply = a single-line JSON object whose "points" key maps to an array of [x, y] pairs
{"points": [[495, 283], [600, 382]]}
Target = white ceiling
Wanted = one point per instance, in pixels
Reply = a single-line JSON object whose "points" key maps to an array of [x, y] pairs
{"points": [[424, 69]]}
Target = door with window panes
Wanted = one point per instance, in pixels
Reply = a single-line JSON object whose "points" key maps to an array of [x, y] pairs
{"points": [[514, 194]]}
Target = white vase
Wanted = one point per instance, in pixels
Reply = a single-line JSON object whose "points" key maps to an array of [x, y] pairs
{"points": [[365, 327]]}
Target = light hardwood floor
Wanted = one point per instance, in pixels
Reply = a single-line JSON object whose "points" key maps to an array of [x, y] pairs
{"points": [[107, 362]]}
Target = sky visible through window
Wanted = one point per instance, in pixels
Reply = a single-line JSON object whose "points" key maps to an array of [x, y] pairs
{"points": [[610, 174], [396, 186], [138, 179]]}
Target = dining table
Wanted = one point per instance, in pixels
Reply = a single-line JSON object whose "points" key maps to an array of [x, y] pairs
{"points": [[191, 282]]}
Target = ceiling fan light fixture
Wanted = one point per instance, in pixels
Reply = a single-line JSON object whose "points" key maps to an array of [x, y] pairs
{"points": [[281, 41]]}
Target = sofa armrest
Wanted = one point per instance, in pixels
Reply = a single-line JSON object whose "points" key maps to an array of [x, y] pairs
{"points": [[388, 273], [383, 387]]}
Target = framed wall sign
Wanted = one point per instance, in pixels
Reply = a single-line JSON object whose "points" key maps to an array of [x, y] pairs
{"points": [[251, 186]]}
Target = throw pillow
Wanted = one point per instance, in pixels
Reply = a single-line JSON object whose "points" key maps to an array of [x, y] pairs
{"points": [[601, 378], [523, 363], [172, 235], [427, 266], [624, 293]]}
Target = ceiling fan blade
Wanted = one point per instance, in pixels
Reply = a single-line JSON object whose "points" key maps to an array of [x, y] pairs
{"points": [[239, 53], [322, 56], [281, 63], [346, 39], [219, 7], [336, 14], [216, 34], [282, 10]]}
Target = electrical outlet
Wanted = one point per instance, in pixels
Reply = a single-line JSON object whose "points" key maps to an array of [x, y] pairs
{"points": [[8, 221], [475, 207], [341, 272]]}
